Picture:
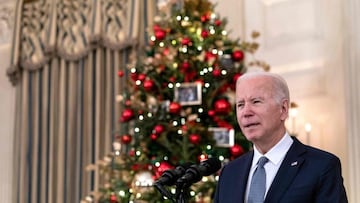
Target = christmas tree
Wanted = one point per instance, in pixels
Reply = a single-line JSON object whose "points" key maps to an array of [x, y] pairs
{"points": [[178, 104]]}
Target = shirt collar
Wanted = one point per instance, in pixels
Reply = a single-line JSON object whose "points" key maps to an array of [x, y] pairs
{"points": [[277, 152]]}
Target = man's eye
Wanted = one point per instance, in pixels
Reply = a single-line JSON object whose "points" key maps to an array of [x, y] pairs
{"points": [[240, 105], [256, 101]]}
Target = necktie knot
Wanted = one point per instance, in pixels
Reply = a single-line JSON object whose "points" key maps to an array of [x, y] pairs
{"points": [[262, 161]]}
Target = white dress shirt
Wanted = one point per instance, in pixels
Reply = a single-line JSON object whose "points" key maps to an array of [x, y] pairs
{"points": [[275, 155]]}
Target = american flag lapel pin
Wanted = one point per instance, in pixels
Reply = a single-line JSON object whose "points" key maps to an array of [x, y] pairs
{"points": [[294, 163]]}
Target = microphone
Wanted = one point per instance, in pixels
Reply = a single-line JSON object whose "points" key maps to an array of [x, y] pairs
{"points": [[169, 177], [196, 172]]}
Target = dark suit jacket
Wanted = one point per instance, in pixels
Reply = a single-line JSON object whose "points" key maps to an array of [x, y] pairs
{"points": [[306, 175]]}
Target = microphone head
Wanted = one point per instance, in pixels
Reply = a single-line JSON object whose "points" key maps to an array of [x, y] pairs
{"points": [[212, 165], [196, 172], [170, 176]]}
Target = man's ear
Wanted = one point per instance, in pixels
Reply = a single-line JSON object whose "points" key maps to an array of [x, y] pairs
{"points": [[284, 109]]}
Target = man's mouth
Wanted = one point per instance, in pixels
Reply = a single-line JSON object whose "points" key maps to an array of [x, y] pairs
{"points": [[249, 125]]}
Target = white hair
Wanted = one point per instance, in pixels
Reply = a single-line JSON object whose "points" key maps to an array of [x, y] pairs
{"points": [[279, 84]]}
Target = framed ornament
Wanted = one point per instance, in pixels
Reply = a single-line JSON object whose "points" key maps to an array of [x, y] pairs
{"points": [[188, 94], [223, 137]]}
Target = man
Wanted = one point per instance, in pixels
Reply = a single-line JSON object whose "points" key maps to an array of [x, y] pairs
{"points": [[293, 172]]}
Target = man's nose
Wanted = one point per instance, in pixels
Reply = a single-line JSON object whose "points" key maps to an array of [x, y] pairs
{"points": [[247, 110]]}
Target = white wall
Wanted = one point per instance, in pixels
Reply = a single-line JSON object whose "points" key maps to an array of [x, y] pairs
{"points": [[7, 109]]}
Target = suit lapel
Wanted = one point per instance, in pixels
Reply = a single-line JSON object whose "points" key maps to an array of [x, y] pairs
{"points": [[244, 175], [287, 171], [237, 177]]}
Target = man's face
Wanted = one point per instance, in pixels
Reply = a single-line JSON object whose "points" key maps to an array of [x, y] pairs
{"points": [[259, 116]]}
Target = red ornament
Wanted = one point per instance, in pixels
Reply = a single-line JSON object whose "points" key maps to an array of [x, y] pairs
{"points": [[209, 56], [216, 72], [113, 198], [186, 41], [171, 79], [153, 136], [162, 168], [126, 139], [127, 115], [217, 22], [160, 34], [120, 73], [238, 55], [158, 129], [206, 17], [174, 108], [156, 27], [211, 113], [236, 150], [134, 76], [148, 85], [194, 139], [185, 66], [141, 77], [132, 152], [204, 33], [222, 106]]}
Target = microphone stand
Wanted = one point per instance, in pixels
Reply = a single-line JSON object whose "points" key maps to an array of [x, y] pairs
{"points": [[183, 196], [182, 192], [164, 192]]}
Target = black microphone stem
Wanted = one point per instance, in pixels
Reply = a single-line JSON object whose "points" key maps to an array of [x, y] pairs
{"points": [[164, 192]]}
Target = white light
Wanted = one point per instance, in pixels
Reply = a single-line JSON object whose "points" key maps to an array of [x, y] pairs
{"points": [[133, 70], [179, 132], [192, 193], [220, 53], [161, 44], [138, 82], [206, 70], [208, 147], [308, 127], [223, 72], [201, 110], [149, 115], [170, 85], [137, 129], [175, 123], [212, 31], [178, 84], [293, 112], [224, 32], [221, 158], [186, 18], [153, 38], [214, 51], [122, 193], [207, 85], [201, 73], [178, 18], [141, 117], [138, 153], [211, 69], [184, 49], [199, 48]]}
